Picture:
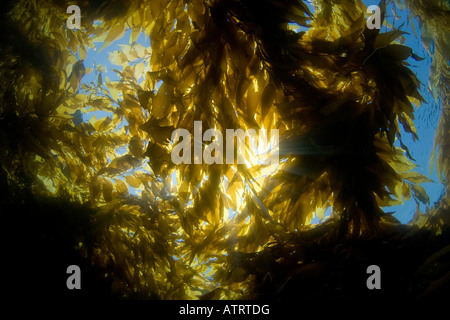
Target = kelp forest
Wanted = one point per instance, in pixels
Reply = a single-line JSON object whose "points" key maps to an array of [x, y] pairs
{"points": [[104, 193]]}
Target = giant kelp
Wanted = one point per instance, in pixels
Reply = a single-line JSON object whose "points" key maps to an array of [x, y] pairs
{"points": [[336, 91]]}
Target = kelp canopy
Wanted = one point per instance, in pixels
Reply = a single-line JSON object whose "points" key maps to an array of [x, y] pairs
{"points": [[337, 91]]}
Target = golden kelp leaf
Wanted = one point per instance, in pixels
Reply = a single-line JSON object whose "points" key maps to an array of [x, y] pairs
{"points": [[410, 84], [159, 133], [77, 74], [159, 157], [144, 98], [103, 124], [131, 103], [415, 177], [124, 162], [253, 101], [420, 193], [95, 188], [267, 99], [155, 7], [117, 57], [406, 192], [86, 142], [136, 146], [107, 190], [241, 89], [134, 34], [408, 125], [138, 71], [401, 163], [133, 181], [121, 186], [116, 32], [129, 51], [162, 101]]}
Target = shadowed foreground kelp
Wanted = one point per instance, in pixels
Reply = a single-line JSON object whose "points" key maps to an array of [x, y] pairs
{"points": [[336, 91]]}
